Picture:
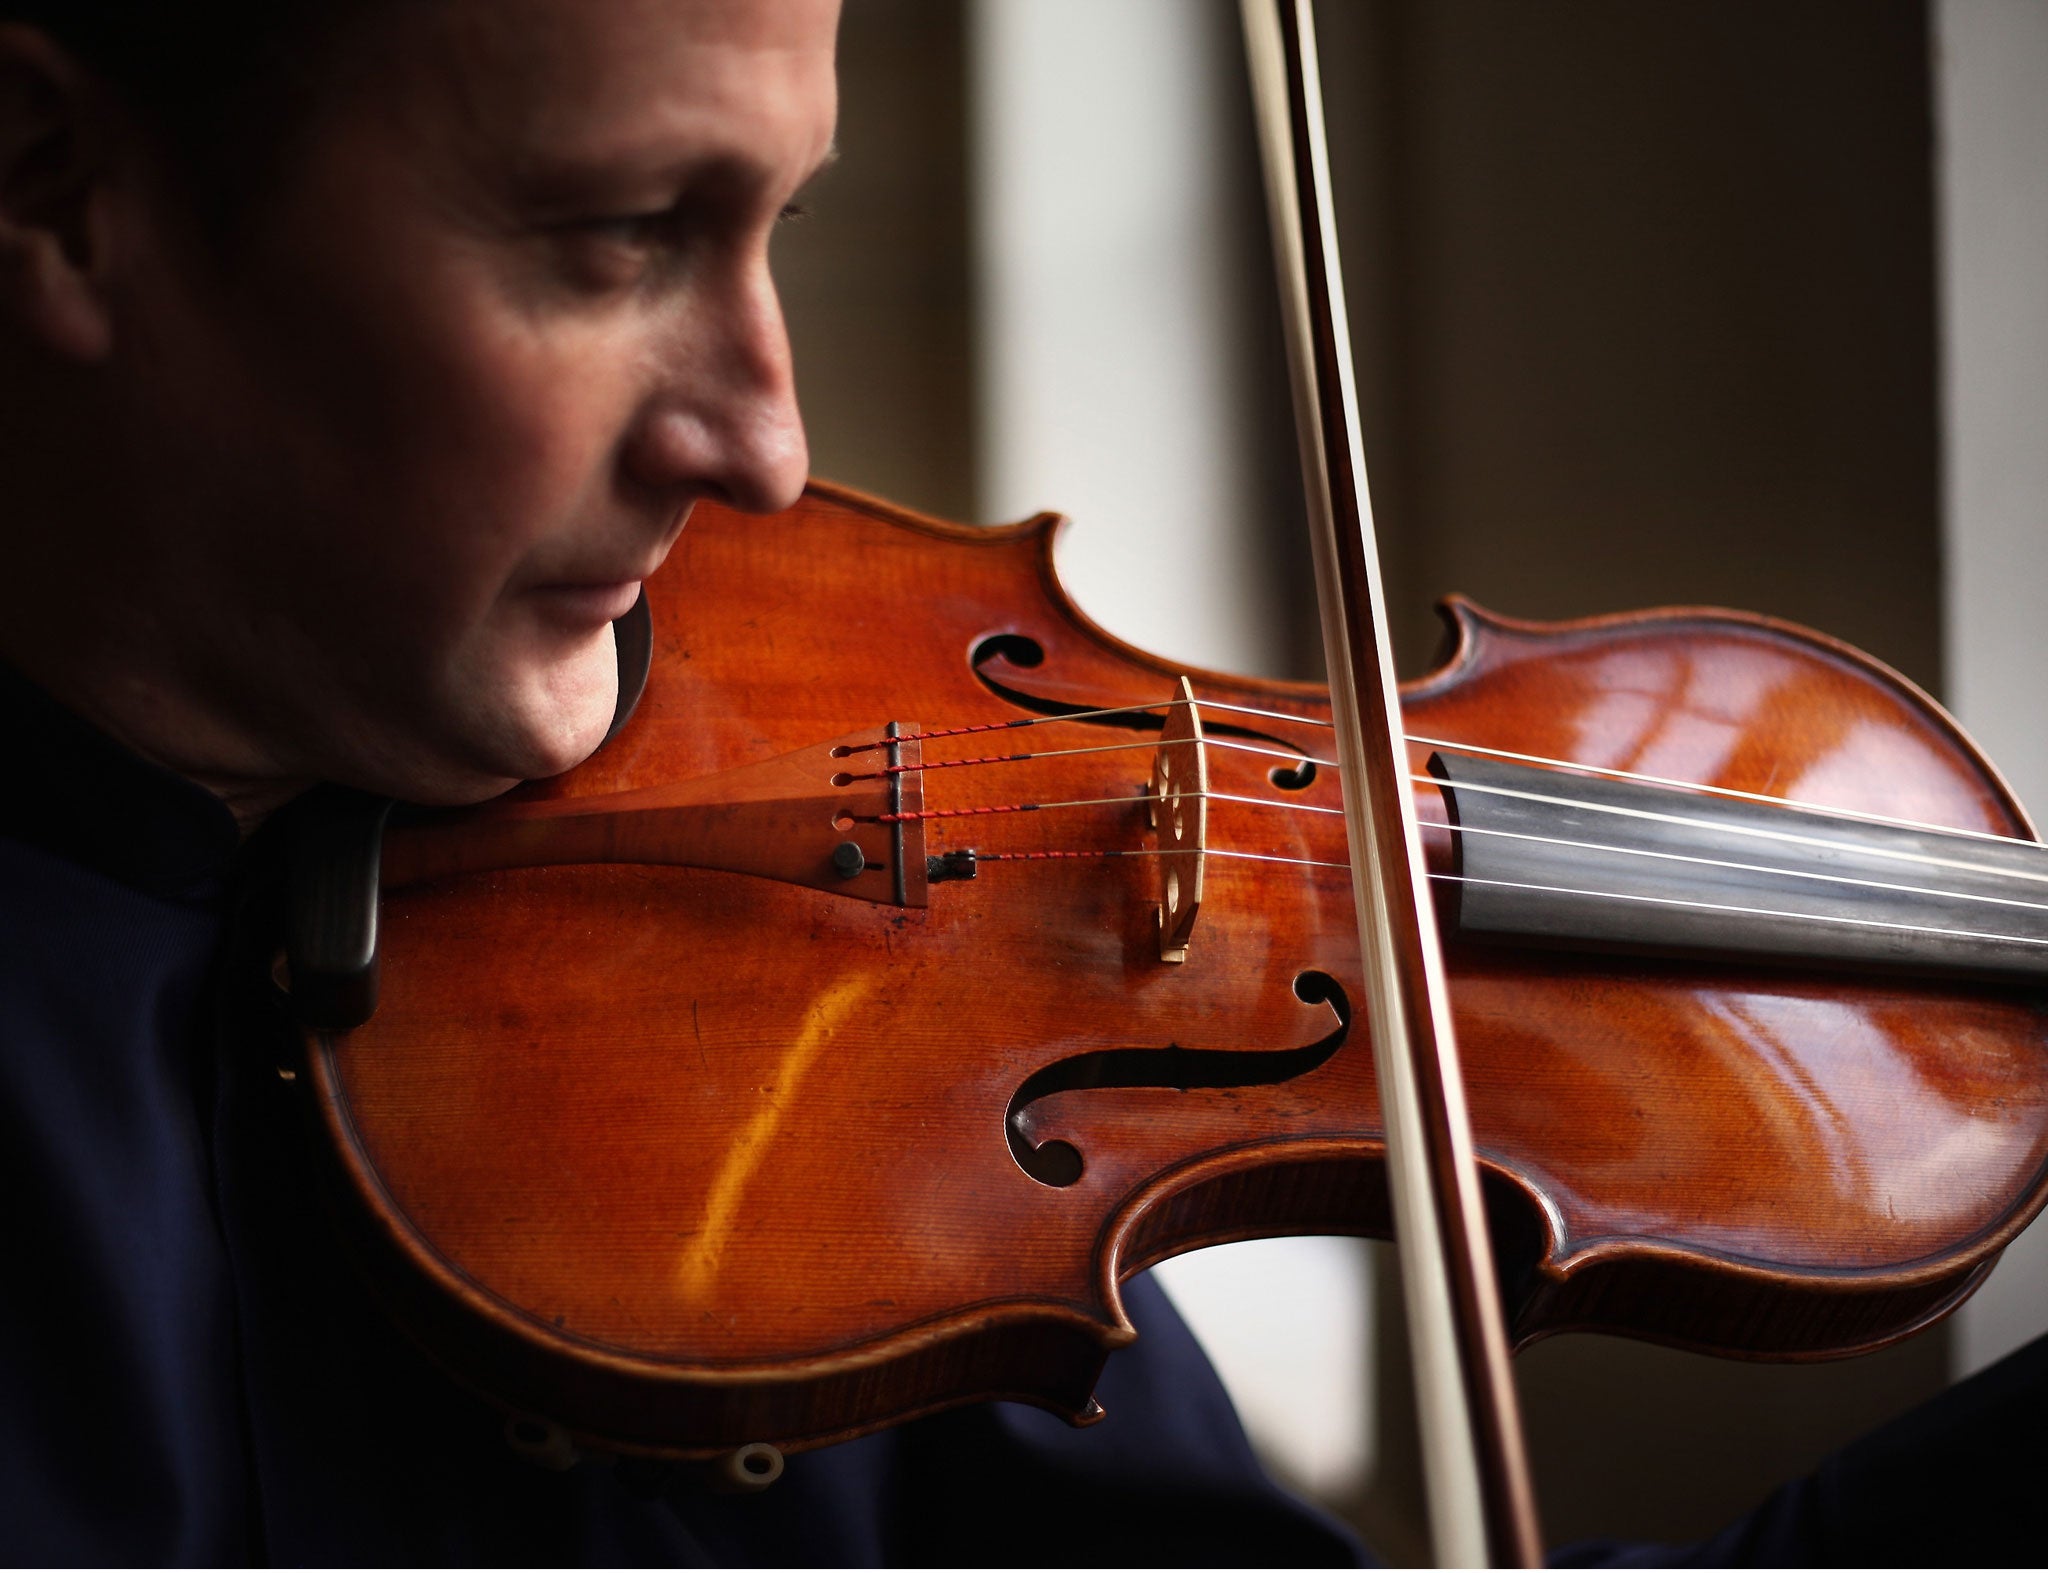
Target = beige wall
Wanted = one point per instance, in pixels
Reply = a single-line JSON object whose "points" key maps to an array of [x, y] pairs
{"points": [[1992, 75]]}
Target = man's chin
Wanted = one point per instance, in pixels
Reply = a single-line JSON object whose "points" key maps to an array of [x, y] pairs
{"points": [[521, 720], [489, 772], [536, 752]]}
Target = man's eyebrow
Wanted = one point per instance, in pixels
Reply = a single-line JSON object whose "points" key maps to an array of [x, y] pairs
{"points": [[552, 176]]}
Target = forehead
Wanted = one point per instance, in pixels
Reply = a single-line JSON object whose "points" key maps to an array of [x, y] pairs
{"points": [[553, 81]]}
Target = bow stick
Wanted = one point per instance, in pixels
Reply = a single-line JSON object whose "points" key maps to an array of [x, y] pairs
{"points": [[1481, 1507]]}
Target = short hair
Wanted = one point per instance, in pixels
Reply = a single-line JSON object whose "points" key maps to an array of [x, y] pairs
{"points": [[225, 85]]}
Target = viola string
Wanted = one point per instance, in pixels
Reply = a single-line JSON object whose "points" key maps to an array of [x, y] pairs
{"points": [[910, 815], [1585, 846], [1262, 802], [1231, 745], [1671, 783], [1540, 761], [1732, 865], [1557, 841], [1694, 859], [1154, 852], [1555, 890], [937, 733], [1755, 832], [1076, 715], [1754, 912], [1150, 744], [883, 774], [1750, 868]]}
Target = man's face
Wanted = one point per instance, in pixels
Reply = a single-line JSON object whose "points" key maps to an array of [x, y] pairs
{"points": [[423, 423]]}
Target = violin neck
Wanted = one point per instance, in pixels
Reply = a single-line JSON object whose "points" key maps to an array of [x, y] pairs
{"points": [[1588, 862]]}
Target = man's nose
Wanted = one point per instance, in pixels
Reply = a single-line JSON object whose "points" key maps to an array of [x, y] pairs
{"points": [[722, 420]]}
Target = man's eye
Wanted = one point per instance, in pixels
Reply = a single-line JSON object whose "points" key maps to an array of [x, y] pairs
{"points": [[637, 229], [610, 251]]}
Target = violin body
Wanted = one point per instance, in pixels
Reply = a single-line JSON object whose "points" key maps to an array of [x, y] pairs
{"points": [[683, 1158]]}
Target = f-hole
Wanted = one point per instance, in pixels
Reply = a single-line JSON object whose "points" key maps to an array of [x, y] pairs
{"points": [[1018, 649], [1060, 1163], [1021, 650]]}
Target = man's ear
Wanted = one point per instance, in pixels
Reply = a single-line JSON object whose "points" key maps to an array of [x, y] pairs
{"points": [[53, 173]]}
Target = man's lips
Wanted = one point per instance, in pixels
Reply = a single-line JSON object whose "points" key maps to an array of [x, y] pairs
{"points": [[589, 605]]}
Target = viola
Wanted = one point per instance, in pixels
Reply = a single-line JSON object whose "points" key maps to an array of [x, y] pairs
{"points": [[919, 961]]}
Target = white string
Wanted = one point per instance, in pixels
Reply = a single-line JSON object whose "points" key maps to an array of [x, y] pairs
{"points": [[1561, 841], [1267, 802], [1554, 890], [1271, 753], [1542, 761], [1093, 748], [1758, 832], [1753, 868], [1753, 912], [1797, 804]]}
